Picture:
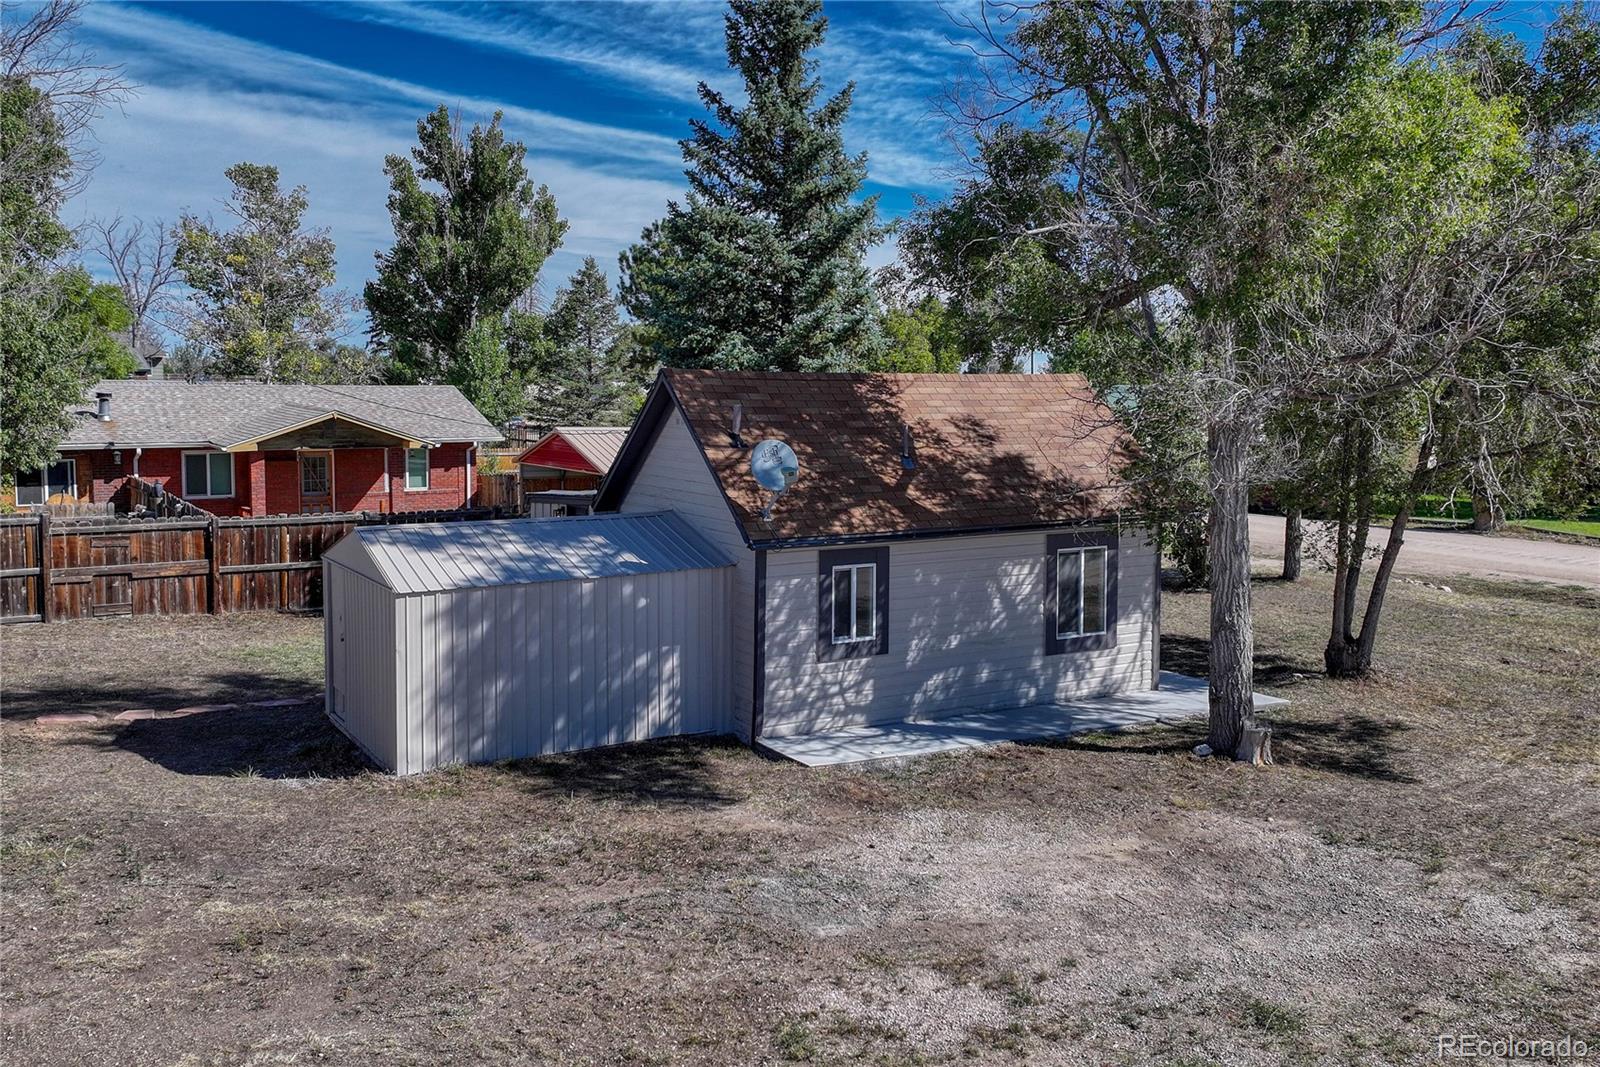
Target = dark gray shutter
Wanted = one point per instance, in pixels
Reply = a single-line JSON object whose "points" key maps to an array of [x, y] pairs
{"points": [[844, 557], [1053, 645]]}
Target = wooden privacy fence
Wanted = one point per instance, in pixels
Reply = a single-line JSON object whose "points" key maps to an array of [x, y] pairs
{"points": [[56, 570], [503, 491]]}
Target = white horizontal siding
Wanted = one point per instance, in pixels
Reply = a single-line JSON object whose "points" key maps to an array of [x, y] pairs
{"points": [[966, 630], [674, 477]]}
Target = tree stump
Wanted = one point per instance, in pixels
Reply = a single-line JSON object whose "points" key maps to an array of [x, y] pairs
{"points": [[1255, 746]]}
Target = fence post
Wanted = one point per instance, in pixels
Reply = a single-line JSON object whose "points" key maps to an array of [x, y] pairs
{"points": [[214, 569], [45, 595]]}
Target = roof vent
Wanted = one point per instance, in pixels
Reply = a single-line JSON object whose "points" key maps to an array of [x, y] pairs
{"points": [[102, 403], [908, 451], [738, 423]]}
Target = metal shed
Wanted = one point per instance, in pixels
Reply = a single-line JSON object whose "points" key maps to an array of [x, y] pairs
{"points": [[478, 641]]}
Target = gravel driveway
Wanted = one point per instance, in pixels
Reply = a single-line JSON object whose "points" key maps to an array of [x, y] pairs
{"points": [[1450, 554]]}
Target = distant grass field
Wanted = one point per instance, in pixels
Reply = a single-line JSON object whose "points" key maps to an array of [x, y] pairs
{"points": [[1565, 526]]}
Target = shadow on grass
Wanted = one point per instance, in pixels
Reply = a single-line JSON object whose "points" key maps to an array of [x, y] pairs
{"points": [[1360, 746], [296, 742], [1192, 656], [109, 689], [675, 771]]}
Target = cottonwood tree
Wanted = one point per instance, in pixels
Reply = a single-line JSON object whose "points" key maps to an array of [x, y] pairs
{"points": [[260, 297], [760, 267], [142, 261], [591, 373], [1159, 152], [55, 320], [1457, 273], [471, 234]]}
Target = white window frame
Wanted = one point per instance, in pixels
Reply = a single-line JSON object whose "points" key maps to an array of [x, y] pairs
{"points": [[44, 483], [427, 471], [1082, 553], [852, 571], [233, 476]]}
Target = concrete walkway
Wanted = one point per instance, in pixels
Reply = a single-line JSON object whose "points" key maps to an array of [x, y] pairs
{"points": [[1449, 553], [1180, 697]]}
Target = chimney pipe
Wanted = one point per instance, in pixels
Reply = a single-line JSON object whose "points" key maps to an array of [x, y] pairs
{"points": [[103, 406], [908, 454], [738, 423]]}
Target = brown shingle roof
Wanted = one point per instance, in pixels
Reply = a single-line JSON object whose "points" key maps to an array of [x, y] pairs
{"points": [[991, 449]]}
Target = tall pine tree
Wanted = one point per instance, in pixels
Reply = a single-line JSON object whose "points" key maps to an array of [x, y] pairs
{"points": [[591, 373], [761, 266]]}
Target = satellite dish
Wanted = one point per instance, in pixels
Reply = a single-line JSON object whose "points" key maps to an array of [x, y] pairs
{"points": [[774, 465], [775, 468]]}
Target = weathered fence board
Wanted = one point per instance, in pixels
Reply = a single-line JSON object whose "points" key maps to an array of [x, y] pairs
{"points": [[52, 569], [500, 490]]}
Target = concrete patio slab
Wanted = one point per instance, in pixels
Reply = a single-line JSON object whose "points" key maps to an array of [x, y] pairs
{"points": [[1180, 697]]}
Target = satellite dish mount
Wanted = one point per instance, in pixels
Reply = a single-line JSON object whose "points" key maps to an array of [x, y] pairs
{"points": [[775, 468]]}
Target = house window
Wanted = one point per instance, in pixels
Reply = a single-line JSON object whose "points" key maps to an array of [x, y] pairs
{"points": [[1080, 591], [854, 593], [40, 484], [1080, 602], [207, 474], [316, 474], [852, 603], [416, 468]]}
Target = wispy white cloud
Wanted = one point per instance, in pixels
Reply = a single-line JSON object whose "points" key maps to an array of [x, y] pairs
{"points": [[665, 50], [210, 99], [627, 49]]}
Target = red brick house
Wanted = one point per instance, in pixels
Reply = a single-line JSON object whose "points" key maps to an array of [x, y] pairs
{"points": [[571, 457], [243, 448]]}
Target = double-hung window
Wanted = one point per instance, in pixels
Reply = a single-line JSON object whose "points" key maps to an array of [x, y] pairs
{"points": [[39, 485], [852, 603], [855, 592], [207, 474], [416, 468], [1080, 594]]}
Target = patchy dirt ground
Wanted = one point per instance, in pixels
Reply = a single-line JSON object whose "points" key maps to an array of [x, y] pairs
{"points": [[233, 887], [109, 665]]}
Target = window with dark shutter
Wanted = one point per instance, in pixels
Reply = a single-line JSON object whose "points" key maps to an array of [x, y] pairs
{"points": [[852, 603], [1080, 601]]}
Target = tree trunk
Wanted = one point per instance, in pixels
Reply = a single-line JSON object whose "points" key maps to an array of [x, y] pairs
{"points": [[1487, 517], [1350, 655], [1233, 728], [1294, 538]]}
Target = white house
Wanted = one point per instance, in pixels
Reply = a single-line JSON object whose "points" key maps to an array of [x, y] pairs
{"points": [[953, 543]]}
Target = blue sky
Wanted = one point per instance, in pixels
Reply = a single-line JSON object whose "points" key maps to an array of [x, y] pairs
{"points": [[600, 94]]}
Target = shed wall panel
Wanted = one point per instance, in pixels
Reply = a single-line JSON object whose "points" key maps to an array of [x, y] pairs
{"points": [[502, 672], [674, 477], [966, 631], [358, 624]]}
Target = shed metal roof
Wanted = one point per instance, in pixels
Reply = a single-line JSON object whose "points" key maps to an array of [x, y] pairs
{"points": [[438, 557]]}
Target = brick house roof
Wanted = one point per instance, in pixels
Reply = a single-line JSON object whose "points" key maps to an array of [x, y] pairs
{"points": [[169, 412], [991, 450]]}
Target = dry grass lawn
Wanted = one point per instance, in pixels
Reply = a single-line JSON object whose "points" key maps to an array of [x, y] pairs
{"points": [[233, 887]]}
